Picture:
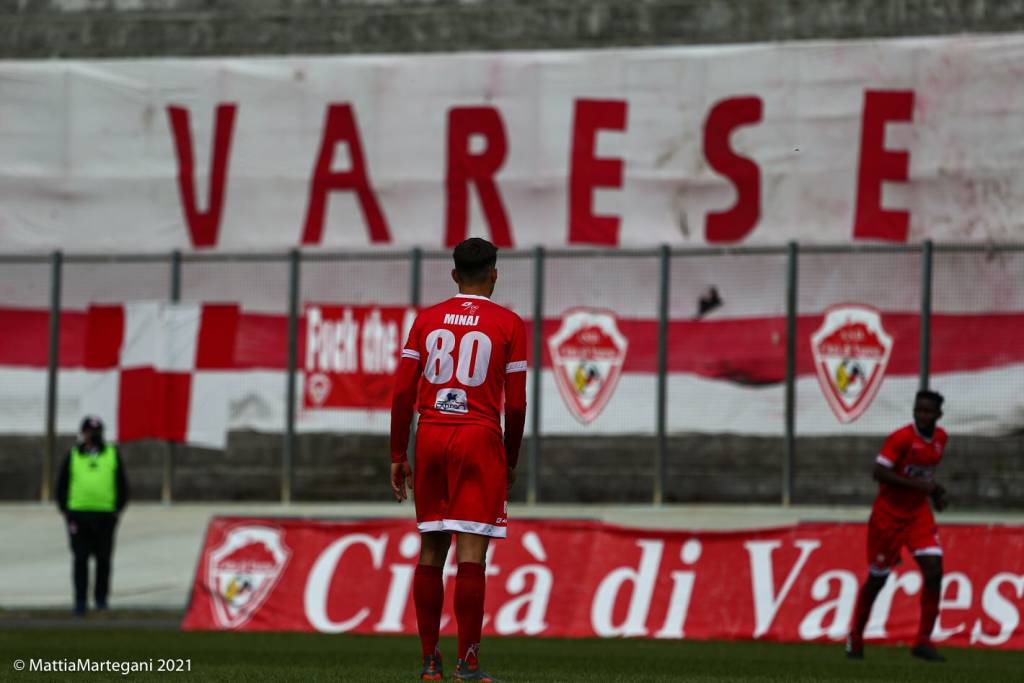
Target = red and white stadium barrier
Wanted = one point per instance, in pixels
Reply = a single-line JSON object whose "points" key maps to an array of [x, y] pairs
{"points": [[585, 579]]}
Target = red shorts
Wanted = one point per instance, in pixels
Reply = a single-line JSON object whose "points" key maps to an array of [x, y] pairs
{"points": [[888, 534], [459, 480]]}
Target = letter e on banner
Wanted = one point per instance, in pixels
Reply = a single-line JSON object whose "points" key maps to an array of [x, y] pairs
{"points": [[588, 172], [878, 165]]}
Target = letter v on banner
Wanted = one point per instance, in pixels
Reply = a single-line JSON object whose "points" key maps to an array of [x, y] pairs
{"points": [[203, 226], [762, 576]]}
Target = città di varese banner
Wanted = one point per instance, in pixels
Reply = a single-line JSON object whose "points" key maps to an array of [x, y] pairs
{"points": [[587, 579], [842, 141]]}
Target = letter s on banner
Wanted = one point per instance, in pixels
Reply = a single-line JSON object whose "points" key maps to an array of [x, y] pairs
{"points": [[318, 583], [734, 224], [998, 608]]}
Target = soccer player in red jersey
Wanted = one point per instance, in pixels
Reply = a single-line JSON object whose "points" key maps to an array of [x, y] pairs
{"points": [[464, 358], [901, 516]]}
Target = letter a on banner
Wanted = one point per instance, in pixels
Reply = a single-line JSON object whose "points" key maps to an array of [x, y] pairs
{"points": [[341, 126]]}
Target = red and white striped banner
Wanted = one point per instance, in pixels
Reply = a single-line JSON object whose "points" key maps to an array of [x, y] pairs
{"points": [[585, 579], [174, 372]]}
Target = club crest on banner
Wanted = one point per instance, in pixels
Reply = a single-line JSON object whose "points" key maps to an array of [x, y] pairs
{"points": [[587, 353], [243, 570], [851, 352]]}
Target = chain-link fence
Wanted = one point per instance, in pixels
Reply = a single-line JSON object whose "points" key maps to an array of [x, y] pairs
{"points": [[733, 375]]}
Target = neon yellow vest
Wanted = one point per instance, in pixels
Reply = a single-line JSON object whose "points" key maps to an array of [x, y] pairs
{"points": [[93, 481]]}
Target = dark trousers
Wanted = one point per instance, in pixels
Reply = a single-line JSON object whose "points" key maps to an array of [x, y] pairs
{"points": [[91, 533]]}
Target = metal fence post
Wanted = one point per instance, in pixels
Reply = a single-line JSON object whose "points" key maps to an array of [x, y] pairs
{"points": [[288, 451], [52, 369], [792, 283], [535, 378], [661, 447], [171, 454], [926, 315]]}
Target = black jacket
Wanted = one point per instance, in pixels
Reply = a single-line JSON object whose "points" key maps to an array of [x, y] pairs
{"points": [[63, 477]]}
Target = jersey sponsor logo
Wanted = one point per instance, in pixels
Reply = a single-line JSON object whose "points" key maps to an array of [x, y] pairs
{"points": [[919, 472], [587, 353], [452, 400], [851, 352], [460, 319], [243, 570], [469, 307]]}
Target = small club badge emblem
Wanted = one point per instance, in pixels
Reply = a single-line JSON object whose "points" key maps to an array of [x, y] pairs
{"points": [[242, 571], [587, 353], [851, 352]]}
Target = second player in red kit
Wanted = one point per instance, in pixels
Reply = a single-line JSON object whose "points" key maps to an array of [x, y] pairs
{"points": [[463, 365], [901, 517]]}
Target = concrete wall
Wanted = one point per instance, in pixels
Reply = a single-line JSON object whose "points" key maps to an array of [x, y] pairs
{"points": [[981, 473], [131, 28]]}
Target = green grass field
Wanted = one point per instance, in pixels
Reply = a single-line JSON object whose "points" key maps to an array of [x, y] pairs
{"points": [[304, 657]]}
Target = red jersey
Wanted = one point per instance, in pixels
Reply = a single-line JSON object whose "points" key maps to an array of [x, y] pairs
{"points": [[470, 361], [909, 454]]}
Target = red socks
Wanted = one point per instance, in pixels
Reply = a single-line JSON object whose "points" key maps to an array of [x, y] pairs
{"points": [[469, 608], [428, 596], [929, 613]]}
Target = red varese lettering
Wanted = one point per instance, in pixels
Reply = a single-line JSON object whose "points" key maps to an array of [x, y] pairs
{"points": [[878, 165], [341, 126], [466, 167], [589, 172], [203, 226], [735, 223]]}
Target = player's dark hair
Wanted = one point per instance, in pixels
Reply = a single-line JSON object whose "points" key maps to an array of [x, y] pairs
{"points": [[933, 396], [474, 259]]}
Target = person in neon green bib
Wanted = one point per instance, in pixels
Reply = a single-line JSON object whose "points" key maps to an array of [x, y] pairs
{"points": [[92, 490]]}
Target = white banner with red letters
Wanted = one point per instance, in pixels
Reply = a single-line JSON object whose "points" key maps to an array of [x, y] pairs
{"points": [[837, 141], [585, 579]]}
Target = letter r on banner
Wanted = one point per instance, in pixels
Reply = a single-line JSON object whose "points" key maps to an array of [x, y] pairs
{"points": [[878, 165], [465, 168]]}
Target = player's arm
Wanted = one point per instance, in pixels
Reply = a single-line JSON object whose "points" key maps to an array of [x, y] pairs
{"points": [[893, 450], [403, 403], [515, 399]]}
